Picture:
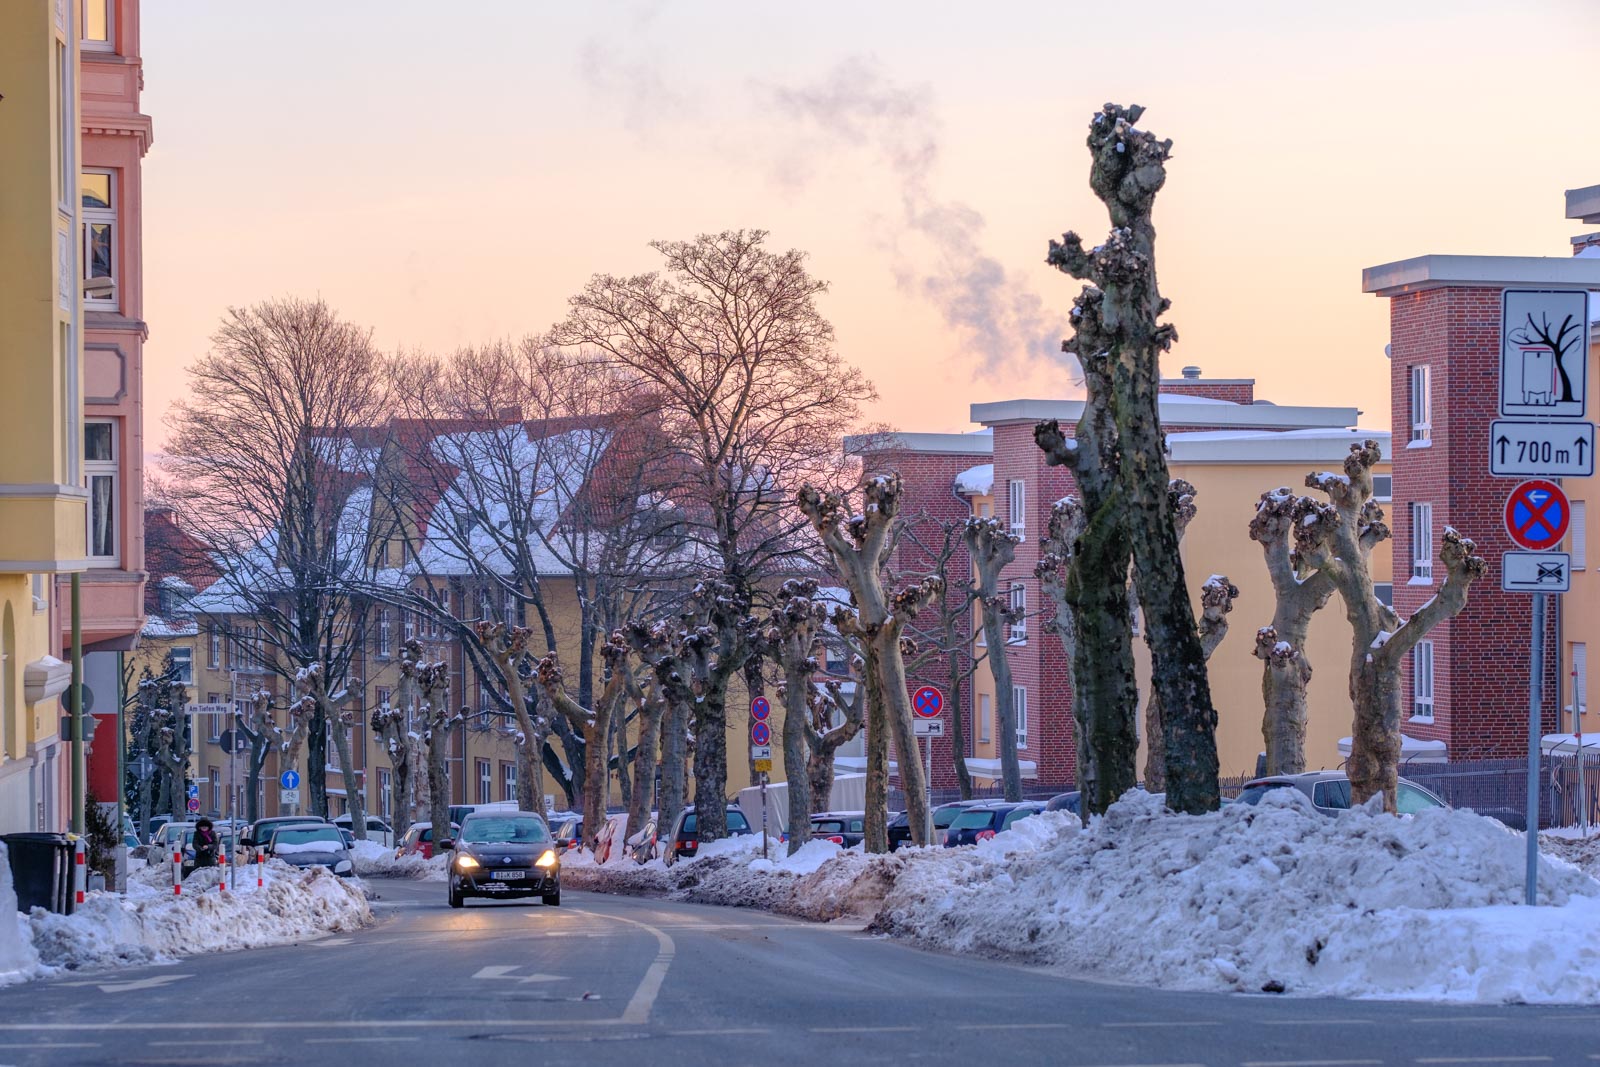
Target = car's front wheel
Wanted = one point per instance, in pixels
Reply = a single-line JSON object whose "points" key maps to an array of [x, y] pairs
{"points": [[458, 899], [552, 900]]}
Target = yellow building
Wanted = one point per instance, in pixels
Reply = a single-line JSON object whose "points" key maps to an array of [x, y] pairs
{"points": [[42, 504]]}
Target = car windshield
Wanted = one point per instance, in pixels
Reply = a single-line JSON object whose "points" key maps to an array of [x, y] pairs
{"points": [[305, 835], [974, 819], [1252, 794], [942, 817], [510, 829], [827, 826], [1020, 813]]}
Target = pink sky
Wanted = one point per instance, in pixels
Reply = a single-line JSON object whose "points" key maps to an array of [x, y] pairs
{"points": [[448, 175]]}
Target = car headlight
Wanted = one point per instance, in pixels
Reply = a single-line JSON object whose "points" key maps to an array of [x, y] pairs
{"points": [[465, 862], [546, 860], [341, 866]]}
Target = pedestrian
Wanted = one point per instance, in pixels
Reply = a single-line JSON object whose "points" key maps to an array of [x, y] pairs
{"points": [[205, 844]]}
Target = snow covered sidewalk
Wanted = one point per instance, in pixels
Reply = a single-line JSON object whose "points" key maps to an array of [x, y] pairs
{"points": [[151, 923], [1274, 898]]}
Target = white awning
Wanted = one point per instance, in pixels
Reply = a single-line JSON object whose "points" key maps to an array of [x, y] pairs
{"points": [[1411, 748], [990, 768], [858, 764]]}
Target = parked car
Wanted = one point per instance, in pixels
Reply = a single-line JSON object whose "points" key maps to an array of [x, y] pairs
{"points": [[419, 840], [166, 840], [153, 826], [311, 846], [504, 854], [982, 821], [1065, 802], [568, 833], [685, 836], [227, 841], [377, 830], [258, 832], [1329, 792], [943, 816], [845, 828]]}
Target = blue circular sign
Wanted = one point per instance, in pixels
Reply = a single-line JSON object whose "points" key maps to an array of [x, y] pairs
{"points": [[760, 734], [760, 709], [927, 702], [289, 779]]}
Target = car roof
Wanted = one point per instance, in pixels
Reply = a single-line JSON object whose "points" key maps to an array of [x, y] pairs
{"points": [[839, 815], [469, 816]]}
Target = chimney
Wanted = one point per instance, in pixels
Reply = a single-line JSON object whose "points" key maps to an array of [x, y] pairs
{"points": [[1192, 373]]}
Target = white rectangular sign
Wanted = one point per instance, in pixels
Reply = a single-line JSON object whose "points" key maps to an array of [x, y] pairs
{"points": [[1536, 572], [928, 727], [760, 751], [289, 796], [1541, 449], [1544, 353]]}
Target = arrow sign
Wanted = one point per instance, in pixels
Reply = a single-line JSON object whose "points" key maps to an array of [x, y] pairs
{"points": [[760, 709], [927, 702], [1521, 449], [500, 972], [1537, 514], [760, 734], [289, 779], [139, 983]]}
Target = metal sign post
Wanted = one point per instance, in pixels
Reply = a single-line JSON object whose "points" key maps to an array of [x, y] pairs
{"points": [[926, 705], [763, 815], [1535, 693]]}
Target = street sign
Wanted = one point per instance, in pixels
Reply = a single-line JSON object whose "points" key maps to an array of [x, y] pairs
{"points": [[928, 727], [1537, 514], [194, 790], [760, 752], [143, 767], [760, 734], [760, 709], [1541, 449], [194, 803], [1536, 572], [289, 779], [233, 741], [927, 702], [763, 766], [1544, 353], [289, 796]]}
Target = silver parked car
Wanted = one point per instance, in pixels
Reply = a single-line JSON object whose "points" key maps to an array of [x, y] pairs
{"points": [[1330, 792]]}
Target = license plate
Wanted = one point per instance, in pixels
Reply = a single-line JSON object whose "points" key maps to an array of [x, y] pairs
{"points": [[508, 876]]}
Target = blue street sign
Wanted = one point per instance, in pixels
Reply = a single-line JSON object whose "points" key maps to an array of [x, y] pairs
{"points": [[289, 779], [194, 790]]}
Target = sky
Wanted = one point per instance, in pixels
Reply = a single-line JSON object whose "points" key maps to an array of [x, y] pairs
{"points": [[449, 174]]}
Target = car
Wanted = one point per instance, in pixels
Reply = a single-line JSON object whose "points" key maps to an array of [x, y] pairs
{"points": [[982, 821], [347, 835], [418, 841], [257, 833], [1065, 802], [943, 816], [1329, 791], [685, 835], [165, 841], [377, 830], [503, 854], [568, 833], [226, 841], [311, 846], [461, 811], [845, 828]]}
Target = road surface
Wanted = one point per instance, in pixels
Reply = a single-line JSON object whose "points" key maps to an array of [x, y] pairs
{"points": [[614, 980]]}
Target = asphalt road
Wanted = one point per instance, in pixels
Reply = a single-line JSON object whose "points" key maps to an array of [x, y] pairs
{"points": [[610, 980]]}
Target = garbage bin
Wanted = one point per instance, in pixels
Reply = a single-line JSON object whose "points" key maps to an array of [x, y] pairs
{"points": [[41, 870]]}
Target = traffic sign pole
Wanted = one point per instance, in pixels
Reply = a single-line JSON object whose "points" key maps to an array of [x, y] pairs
{"points": [[1535, 694]]}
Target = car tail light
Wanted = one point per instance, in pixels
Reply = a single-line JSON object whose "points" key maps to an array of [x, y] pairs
{"points": [[835, 838], [984, 835], [689, 846]]}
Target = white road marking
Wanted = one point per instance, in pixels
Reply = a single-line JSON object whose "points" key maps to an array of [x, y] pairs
{"points": [[354, 1040], [41, 1045], [637, 1013], [1165, 1024], [330, 942], [1309, 1063], [714, 1033], [502, 972], [206, 1044], [127, 987], [1016, 1026], [867, 1029], [1485, 1059]]}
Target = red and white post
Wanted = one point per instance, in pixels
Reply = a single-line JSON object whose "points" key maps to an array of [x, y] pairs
{"points": [[80, 869], [177, 869]]}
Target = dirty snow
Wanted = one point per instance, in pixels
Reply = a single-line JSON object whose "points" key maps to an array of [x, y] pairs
{"points": [[18, 960], [373, 859]]}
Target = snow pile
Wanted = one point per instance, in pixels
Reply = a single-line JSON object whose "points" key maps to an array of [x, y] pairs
{"points": [[1272, 897], [109, 929], [18, 960], [1571, 845], [374, 860]]}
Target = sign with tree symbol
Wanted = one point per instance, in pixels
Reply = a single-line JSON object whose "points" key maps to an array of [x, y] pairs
{"points": [[1544, 348]]}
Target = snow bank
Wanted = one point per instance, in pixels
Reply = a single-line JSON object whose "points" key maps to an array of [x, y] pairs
{"points": [[373, 859], [18, 960], [110, 930], [1572, 845]]}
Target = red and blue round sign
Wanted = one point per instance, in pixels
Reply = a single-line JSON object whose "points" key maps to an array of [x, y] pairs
{"points": [[760, 709], [927, 702], [1537, 515], [760, 734]]}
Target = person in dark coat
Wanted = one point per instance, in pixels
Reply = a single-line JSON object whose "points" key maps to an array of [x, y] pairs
{"points": [[206, 844]]}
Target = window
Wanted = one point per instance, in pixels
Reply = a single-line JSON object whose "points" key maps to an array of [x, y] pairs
{"points": [[485, 701], [1019, 704], [183, 663], [97, 24], [215, 775], [1019, 614], [99, 216], [1019, 507], [508, 781], [1580, 681], [385, 793], [513, 609], [100, 478], [213, 647], [385, 633], [985, 716], [410, 624], [1421, 406], [1383, 488], [1422, 681], [1422, 544], [1384, 591], [381, 693], [1578, 531], [485, 603], [66, 138], [485, 782], [213, 720], [985, 510]]}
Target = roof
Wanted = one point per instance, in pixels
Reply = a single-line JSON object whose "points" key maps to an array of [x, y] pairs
{"points": [[1178, 411], [975, 442], [1322, 445], [1421, 273]]}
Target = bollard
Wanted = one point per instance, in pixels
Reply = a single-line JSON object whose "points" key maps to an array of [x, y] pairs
{"points": [[177, 870], [255, 857], [80, 869]]}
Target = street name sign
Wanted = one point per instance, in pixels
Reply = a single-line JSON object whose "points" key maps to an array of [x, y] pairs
{"points": [[928, 727], [1536, 572], [1519, 449], [1544, 354]]}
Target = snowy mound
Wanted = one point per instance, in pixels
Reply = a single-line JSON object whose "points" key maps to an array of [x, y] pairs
{"points": [[18, 960], [1274, 897], [374, 860], [109, 929]]}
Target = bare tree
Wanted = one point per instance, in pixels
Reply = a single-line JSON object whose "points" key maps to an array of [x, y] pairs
{"points": [[1338, 538], [595, 724], [437, 723], [269, 471], [993, 548], [659, 647], [651, 708], [738, 363], [256, 723], [793, 633], [394, 726], [1119, 342], [835, 722], [860, 545]]}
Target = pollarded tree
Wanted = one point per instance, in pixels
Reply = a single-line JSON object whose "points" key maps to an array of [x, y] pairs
{"points": [[835, 722], [260, 731], [792, 635], [992, 548], [394, 727], [436, 723], [650, 710], [1281, 647], [1119, 342], [593, 724], [508, 647], [658, 646], [1338, 538], [333, 708], [718, 638], [860, 546]]}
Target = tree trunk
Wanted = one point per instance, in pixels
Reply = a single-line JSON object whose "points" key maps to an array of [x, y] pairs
{"points": [[711, 765], [1005, 707], [437, 745], [796, 764], [317, 763], [958, 723], [1285, 677], [355, 799], [1105, 693], [892, 667], [674, 764], [644, 764], [1155, 746], [877, 800], [617, 755]]}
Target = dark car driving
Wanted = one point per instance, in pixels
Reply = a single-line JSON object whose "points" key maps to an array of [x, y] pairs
{"points": [[504, 854], [983, 821]]}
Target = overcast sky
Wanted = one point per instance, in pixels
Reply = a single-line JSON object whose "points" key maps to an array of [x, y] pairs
{"points": [[450, 173]]}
